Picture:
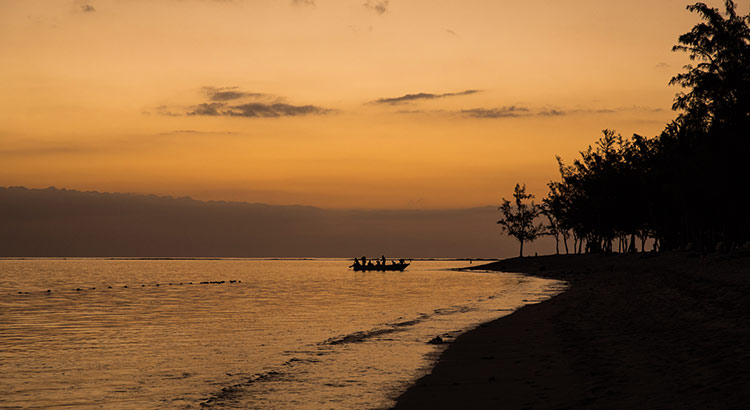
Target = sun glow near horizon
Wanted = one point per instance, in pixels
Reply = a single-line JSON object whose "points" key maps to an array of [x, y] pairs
{"points": [[396, 104]]}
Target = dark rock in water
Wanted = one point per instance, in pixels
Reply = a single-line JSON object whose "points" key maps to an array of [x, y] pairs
{"points": [[48, 291], [78, 289], [437, 340], [126, 286], [109, 287]]}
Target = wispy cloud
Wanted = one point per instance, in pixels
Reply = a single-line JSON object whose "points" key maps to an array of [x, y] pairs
{"points": [[234, 102], [163, 110], [304, 3], [500, 112], [421, 96], [210, 109], [551, 113], [255, 110], [451, 32], [87, 8], [519, 111], [378, 6], [513, 111], [662, 66], [273, 110], [33, 151], [196, 132], [613, 110], [116, 145], [229, 93]]}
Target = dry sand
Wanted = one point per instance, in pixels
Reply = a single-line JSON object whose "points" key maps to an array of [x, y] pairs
{"points": [[668, 331]]}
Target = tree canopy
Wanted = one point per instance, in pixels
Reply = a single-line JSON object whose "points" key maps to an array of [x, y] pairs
{"points": [[518, 219], [685, 188]]}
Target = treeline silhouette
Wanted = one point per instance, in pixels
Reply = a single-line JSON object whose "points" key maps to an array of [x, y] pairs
{"points": [[686, 188]]}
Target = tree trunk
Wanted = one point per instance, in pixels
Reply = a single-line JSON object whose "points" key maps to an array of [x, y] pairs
{"points": [[557, 244], [565, 242], [521, 249]]}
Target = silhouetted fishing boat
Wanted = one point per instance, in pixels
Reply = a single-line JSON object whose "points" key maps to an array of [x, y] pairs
{"points": [[393, 267]]}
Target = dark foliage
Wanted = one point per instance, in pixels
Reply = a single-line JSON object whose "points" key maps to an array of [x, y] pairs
{"points": [[518, 219], [686, 188]]}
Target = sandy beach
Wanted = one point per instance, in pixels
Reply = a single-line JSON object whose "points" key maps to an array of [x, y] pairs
{"points": [[632, 331]]}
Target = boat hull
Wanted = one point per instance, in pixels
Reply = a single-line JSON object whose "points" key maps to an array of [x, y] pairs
{"points": [[398, 267]]}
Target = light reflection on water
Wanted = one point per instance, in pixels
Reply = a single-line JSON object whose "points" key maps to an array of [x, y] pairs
{"points": [[288, 334]]}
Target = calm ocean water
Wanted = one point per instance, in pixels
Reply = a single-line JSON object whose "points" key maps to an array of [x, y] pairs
{"points": [[285, 334]]}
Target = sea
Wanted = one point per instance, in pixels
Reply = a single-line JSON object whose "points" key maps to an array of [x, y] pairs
{"points": [[235, 333]]}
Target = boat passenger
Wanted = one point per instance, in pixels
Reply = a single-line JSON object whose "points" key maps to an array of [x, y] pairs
{"points": [[364, 260], [356, 262], [382, 260], [401, 261]]}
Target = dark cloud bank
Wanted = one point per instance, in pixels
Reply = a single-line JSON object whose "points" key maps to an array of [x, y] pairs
{"points": [[55, 222]]}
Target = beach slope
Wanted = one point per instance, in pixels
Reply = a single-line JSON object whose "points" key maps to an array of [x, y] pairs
{"points": [[632, 331]]}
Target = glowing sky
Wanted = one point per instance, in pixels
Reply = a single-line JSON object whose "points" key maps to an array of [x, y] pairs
{"points": [[333, 103]]}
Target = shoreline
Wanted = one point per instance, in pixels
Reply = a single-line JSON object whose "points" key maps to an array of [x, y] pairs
{"points": [[631, 331]]}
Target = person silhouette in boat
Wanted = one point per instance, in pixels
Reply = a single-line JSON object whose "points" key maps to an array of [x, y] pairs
{"points": [[356, 263], [382, 260], [364, 260]]}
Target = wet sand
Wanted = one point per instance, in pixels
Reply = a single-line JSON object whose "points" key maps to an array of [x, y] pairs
{"points": [[667, 331]]}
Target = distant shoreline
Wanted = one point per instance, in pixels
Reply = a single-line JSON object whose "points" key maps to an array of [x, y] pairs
{"points": [[632, 331]]}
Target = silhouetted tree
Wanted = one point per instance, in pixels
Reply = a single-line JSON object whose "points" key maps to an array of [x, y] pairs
{"points": [[518, 220], [685, 188], [707, 144], [553, 208]]}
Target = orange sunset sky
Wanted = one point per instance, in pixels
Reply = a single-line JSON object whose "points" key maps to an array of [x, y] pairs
{"points": [[332, 103]]}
